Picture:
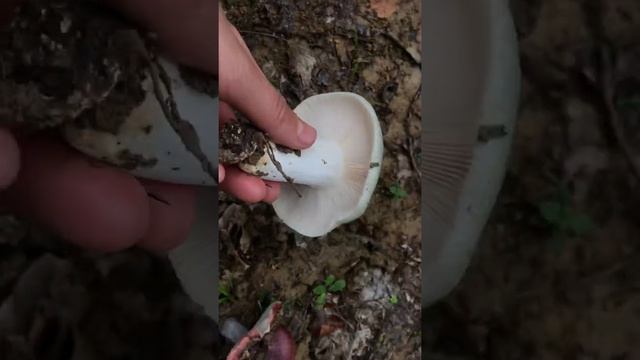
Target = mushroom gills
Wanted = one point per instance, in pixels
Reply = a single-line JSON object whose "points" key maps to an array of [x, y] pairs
{"points": [[331, 182]]}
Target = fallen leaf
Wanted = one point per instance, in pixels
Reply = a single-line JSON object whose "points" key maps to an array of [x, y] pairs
{"points": [[327, 325], [384, 8]]}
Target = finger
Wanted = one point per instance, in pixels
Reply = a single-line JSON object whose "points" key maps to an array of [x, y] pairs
{"points": [[172, 210], [96, 207], [245, 187], [246, 89], [225, 113], [221, 173], [273, 191], [185, 28], [9, 158]]}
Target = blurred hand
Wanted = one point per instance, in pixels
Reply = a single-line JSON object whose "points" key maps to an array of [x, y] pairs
{"points": [[243, 87], [99, 207]]}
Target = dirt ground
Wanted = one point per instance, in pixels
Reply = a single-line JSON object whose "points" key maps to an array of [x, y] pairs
{"points": [[307, 48], [556, 273]]}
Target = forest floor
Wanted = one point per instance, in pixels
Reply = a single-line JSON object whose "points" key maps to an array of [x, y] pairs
{"points": [[556, 275], [308, 48]]}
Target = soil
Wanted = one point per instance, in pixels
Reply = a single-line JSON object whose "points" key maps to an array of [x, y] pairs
{"points": [[54, 72], [59, 302], [241, 143], [544, 285], [308, 48]]}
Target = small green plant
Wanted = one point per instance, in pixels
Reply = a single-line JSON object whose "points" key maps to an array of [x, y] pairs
{"points": [[393, 299], [224, 294], [397, 192], [329, 285], [562, 218]]}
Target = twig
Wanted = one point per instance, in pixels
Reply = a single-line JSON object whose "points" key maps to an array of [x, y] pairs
{"points": [[158, 198], [235, 251], [273, 36], [184, 129], [278, 166], [395, 41], [410, 140], [608, 83]]}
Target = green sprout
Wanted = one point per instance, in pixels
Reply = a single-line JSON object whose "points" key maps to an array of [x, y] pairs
{"points": [[393, 299], [397, 192], [329, 285], [225, 295]]}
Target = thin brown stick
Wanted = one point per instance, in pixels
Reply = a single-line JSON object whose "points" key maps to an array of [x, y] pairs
{"points": [[259, 33], [278, 166]]}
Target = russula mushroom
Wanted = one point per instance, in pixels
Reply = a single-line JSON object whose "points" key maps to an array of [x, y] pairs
{"points": [[471, 92], [330, 183]]}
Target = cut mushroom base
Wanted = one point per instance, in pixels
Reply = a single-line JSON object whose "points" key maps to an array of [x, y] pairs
{"points": [[334, 179]]}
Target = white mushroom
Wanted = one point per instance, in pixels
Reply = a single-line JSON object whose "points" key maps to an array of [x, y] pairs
{"points": [[472, 85], [149, 138], [333, 179]]}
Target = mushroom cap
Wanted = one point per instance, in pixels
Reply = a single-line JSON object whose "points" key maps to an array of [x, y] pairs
{"points": [[146, 136], [351, 122], [472, 80]]}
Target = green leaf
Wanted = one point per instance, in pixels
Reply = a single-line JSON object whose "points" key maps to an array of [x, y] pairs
{"points": [[393, 299], [397, 191], [224, 291], [319, 290], [552, 212], [329, 280], [321, 300], [338, 286]]}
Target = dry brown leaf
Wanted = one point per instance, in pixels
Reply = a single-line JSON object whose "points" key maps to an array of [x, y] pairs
{"points": [[384, 8]]}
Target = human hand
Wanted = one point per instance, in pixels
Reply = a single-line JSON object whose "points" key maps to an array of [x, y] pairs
{"points": [[100, 207], [245, 88]]}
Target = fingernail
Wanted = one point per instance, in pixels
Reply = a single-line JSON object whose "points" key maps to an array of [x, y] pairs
{"points": [[220, 173], [306, 134]]}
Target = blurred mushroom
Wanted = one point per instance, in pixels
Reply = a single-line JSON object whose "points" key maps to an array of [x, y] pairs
{"points": [[330, 183], [471, 97]]}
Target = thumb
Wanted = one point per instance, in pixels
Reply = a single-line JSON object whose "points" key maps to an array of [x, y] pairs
{"points": [[246, 89]]}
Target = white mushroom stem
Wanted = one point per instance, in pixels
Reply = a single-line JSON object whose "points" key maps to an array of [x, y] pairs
{"points": [[321, 164]]}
